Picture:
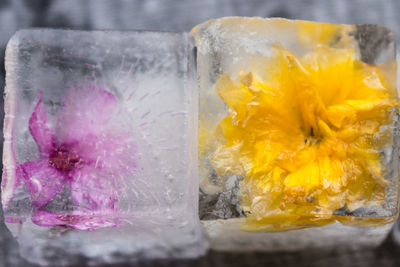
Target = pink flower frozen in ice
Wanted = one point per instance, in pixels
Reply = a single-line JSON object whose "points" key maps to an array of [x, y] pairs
{"points": [[87, 153]]}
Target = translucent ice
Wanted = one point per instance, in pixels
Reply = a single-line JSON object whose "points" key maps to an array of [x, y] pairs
{"points": [[100, 146], [297, 128]]}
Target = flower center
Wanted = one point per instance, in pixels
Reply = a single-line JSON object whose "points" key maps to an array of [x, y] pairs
{"points": [[64, 160], [318, 131], [312, 136]]}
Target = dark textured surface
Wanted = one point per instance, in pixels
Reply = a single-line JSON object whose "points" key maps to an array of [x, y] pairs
{"points": [[372, 39], [178, 15]]}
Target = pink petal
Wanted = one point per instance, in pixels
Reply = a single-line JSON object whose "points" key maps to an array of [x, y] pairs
{"points": [[39, 127], [85, 112], [94, 190], [78, 220], [112, 151], [14, 220], [43, 181]]}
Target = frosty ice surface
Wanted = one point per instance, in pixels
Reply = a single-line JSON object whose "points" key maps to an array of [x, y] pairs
{"points": [[297, 128], [93, 164]]}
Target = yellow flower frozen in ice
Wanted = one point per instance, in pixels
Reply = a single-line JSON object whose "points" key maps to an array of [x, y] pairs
{"points": [[305, 134]]}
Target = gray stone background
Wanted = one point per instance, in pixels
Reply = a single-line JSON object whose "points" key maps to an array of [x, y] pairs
{"points": [[180, 15]]}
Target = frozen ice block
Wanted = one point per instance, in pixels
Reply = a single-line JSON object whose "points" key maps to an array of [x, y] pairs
{"points": [[100, 150], [297, 128]]}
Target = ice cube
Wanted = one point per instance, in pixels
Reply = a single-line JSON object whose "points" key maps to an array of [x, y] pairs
{"points": [[297, 128], [100, 151]]}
